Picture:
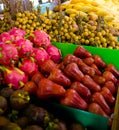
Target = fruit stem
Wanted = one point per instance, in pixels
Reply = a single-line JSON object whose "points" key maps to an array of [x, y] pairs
{"points": [[21, 84]]}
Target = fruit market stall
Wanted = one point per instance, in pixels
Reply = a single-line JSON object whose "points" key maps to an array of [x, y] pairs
{"points": [[57, 71], [82, 28]]}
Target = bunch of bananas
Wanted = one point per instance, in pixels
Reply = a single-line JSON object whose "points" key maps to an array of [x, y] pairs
{"points": [[109, 9]]}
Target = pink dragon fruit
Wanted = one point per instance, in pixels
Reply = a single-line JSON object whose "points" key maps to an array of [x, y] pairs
{"points": [[40, 38], [14, 77], [24, 47], [28, 66], [17, 32], [5, 37], [8, 54], [54, 53], [40, 55]]}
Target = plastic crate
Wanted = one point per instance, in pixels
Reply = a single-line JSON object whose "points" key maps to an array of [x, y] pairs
{"points": [[87, 119]]}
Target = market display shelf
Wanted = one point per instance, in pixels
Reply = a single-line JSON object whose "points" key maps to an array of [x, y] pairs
{"points": [[93, 121]]}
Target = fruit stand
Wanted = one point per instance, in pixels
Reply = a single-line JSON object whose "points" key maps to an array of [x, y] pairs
{"points": [[59, 68]]}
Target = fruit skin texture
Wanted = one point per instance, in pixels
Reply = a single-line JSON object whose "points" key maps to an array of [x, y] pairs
{"points": [[97, 97], [40, 55], [48, 66], [91, 84], [73, 99], [111, 86], [72, 70], [111, 68], [99, 62], [40, 38], [99, 79], [81, 52], [5, 37], [54, 53], [69, 58], [28, 66], [24, 47], [8, 54], [81, 89], [108, 96], [109, 76], [96, 108], [89, 60], [48, 89], [17, 32], [14, 77], [86, 69], [97, 71], [37, 77], [19, 99], [59, 77], [30, 87]]}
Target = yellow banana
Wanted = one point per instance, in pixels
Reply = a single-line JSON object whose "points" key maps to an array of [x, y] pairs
{"points": [[71, 11]]}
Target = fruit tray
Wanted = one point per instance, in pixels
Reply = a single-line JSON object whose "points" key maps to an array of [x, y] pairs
{"points": [[87, 119]]}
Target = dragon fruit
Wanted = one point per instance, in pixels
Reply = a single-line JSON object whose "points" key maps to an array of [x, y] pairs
{"points": [[24, 47], [14, 77], [54, 53], [40, 55], [40, 38], [28, 66], [8, 54], [5, 37], [17, 32]]}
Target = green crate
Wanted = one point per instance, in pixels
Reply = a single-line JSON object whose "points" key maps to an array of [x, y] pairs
{"points": [[108, 55], [87, 119]]}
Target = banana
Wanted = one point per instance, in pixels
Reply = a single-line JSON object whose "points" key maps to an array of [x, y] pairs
{"points": [[71, 11]]}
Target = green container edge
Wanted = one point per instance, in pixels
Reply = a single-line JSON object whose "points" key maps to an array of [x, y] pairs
{"points": [[87, 119], [108, 55]]}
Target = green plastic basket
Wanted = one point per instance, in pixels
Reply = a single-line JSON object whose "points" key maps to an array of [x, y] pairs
{"points": [[87, 119]]}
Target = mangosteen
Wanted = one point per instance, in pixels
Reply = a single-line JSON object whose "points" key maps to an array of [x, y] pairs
{"points": [[38, 115], [28, 109], [6, 92], [33, 127], [61, 126], [22, 121], [3, 105], [11, 126], [3, 121], [76, 126], [19, 99]]}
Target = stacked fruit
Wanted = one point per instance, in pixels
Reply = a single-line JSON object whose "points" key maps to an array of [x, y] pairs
{"points": [[81, 28], [81, 80], [20, 57], [18, 111], [94, 8]]}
